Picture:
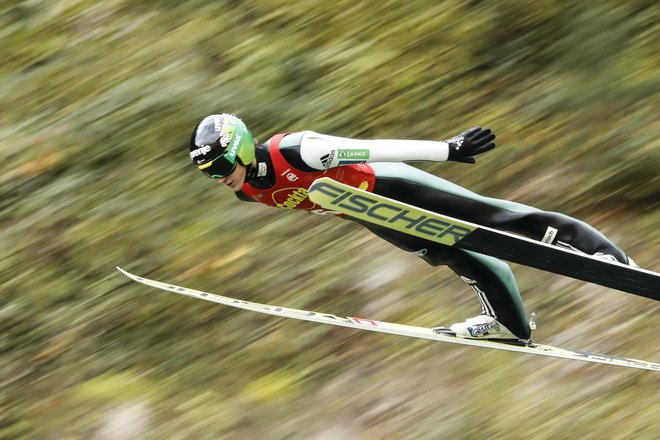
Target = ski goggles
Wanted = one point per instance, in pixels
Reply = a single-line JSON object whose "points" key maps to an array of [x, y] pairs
{"points": [[219, 167]]}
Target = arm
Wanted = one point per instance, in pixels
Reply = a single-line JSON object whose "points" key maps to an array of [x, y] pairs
{"points": [[321, 151]]}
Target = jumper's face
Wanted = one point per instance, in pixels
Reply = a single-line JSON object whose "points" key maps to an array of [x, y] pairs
{"points": [[236, 179]]}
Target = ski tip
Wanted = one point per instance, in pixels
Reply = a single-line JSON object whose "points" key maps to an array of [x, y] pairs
{"points": [[130, 275]]}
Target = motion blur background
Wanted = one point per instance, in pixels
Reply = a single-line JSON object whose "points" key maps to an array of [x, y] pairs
{"points": [[98, 102]]}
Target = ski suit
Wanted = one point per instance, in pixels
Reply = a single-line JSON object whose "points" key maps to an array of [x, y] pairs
{"points": [[288, 163]]}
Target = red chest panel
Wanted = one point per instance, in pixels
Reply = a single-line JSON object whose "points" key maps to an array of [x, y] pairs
{"points": [[291, 185]]}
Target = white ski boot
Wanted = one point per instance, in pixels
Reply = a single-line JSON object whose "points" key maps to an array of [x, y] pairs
{"points": [[479, 327], [612, 259]]}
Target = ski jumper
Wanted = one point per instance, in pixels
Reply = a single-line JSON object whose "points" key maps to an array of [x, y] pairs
{"points": [[284, 174]]}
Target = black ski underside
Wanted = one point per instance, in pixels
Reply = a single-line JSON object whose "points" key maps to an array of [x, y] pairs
{"points": [[556, 260]]}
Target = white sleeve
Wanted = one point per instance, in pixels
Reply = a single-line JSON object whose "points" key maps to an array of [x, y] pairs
{"points": [[321, 151]]}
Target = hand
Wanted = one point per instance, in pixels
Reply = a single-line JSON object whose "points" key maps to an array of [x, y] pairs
{"points": [[474, 141]]}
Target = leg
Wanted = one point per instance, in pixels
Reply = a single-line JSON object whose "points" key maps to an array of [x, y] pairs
{"points": [[497, 290], [490, 278], [414, 186]]}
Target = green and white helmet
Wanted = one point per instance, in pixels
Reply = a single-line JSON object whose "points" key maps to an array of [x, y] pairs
{"points": [[218, 142]]}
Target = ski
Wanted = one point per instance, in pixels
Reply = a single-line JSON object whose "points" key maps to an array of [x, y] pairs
{"points": [[449, 231], [396, 329]]}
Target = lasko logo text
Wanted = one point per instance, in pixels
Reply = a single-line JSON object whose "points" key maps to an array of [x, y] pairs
{"points": [[379, 212], [362, 154]]}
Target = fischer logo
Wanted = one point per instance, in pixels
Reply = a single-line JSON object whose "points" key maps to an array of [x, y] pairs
{"points": [[201, 151], [381, 212]]}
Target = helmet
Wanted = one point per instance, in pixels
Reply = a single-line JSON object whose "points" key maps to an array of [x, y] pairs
{"points": [[218, 142]]}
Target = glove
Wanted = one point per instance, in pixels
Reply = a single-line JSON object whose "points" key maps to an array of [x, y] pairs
{"points": [[474, 141]]}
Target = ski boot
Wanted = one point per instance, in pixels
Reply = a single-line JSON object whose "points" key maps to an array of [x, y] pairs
{"points": [[612, 259], [479, 327]]}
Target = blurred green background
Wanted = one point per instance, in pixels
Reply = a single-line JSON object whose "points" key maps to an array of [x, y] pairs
{"points": [[98, 101]]}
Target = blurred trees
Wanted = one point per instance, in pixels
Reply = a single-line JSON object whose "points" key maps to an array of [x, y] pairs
{"points": [[98, 102]]}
